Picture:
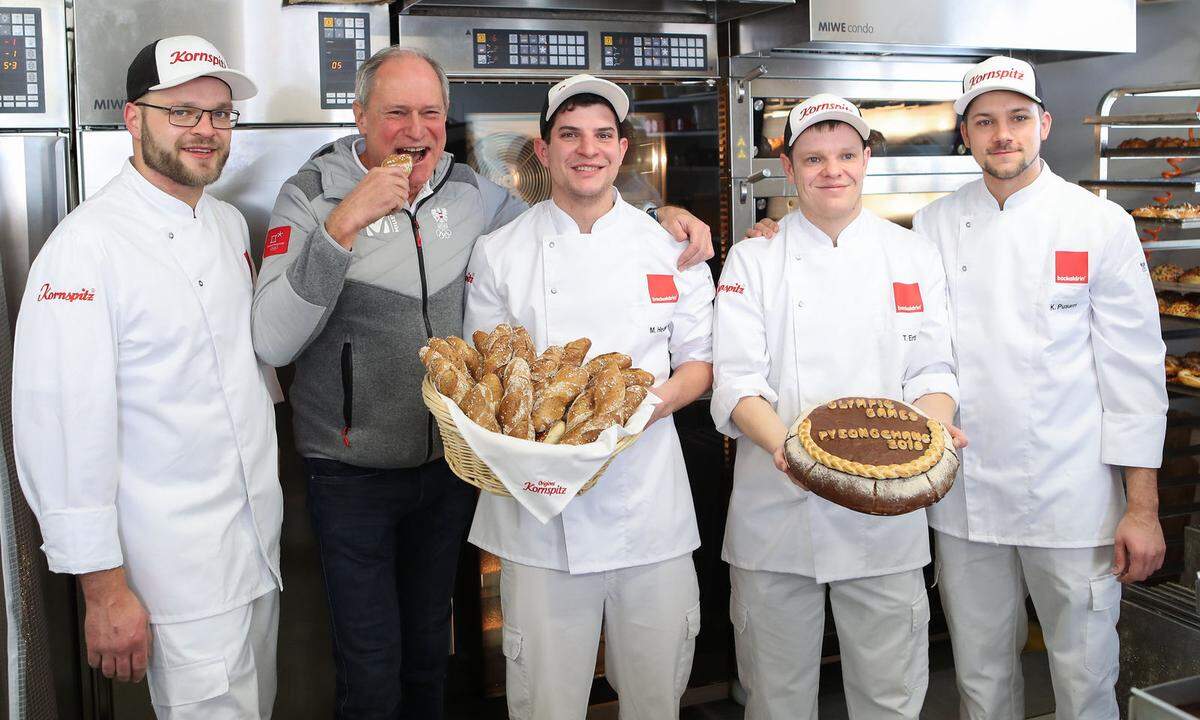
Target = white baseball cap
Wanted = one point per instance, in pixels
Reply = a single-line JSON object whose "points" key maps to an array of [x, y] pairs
{"points": [[172, 61], [820, 108], [586, 84], [998, 73]]}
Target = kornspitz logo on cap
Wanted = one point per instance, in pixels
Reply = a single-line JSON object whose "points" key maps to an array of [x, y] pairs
{"points": [[179, 56]]}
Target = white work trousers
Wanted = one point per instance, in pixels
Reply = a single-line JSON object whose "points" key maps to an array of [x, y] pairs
{"points": [[983, 588], [883, 636], [552, 620], [216, 668]]}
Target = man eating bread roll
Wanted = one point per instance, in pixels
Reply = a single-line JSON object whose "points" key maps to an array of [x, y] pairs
{"points": [[839, 303], [587, 264]]}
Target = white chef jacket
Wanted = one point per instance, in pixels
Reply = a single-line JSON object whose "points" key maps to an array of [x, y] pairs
{"points": [[143, 428], [619, 286], [1060, 358], [801, 322]]}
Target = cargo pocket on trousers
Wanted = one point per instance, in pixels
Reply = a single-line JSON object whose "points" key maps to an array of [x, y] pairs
{"points": [[916, 677], [187, 684], [687, 652], [1100, 646], [516, 675]]}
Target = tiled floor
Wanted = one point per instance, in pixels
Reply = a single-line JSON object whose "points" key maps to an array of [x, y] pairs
{"points": [[941, 701]]}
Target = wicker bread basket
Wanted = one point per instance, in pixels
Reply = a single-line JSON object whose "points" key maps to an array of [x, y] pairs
{"points": [[467, 465]]}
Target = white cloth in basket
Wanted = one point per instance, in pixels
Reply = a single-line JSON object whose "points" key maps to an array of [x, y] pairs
{"points": [[544, 478]]}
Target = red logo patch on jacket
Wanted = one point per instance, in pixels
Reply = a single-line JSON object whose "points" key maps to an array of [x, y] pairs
{"points": [[277, 240], [662, 289], [908, 297], [1071, 267]]}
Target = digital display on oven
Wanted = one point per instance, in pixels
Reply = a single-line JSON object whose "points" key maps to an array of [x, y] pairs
{"points": [[523, 49], [345, 44], [653, 51], [22, 81]]}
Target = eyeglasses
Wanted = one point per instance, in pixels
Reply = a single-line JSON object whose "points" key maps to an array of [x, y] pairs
{"points": [[184, 116]]}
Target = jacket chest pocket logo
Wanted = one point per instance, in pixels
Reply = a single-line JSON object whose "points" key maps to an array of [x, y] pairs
{"points": [[908, 297], [662, 289], [1071, 267]]}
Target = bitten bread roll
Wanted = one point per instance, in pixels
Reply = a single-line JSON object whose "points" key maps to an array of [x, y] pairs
{"points": [[575, 351], [469, 355], [634, 395], [523, 346], [448, 351], [553, 399], [637, 376], [446, 376], [482, 403], [608, 391], [500, 349], [621, 360], [517, 404], [404, 162]]}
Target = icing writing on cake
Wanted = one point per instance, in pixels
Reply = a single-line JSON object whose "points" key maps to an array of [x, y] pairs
{"points": [[892, 439]]}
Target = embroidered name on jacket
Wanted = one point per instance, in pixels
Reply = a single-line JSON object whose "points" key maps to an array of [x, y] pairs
{"points": [[1071, 267], [662, 289], [908, 297], [48, 293]]}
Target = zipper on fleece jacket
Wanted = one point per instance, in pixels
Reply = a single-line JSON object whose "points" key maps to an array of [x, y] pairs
{"points": [[347, 391], [416, 230]]}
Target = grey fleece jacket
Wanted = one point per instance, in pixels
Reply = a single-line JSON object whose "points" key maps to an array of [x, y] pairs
{"points": [[352, 322]]}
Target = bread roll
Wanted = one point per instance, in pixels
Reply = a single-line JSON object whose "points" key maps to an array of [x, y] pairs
{"points": [[634, 395], [554, 434], [1190, 276], [523, 346], [469, 355], [1191, 378], [608, 391], [516, 406], [446, 376], [621, 360], [481, 405], [500, 350], [637, 376], [580, 410], [575, 351], [482, 340], [552, 400], [588, 430], [545, 366], [448, 351]]}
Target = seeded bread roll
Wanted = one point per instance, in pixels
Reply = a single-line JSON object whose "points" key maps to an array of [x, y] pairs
{"points": [[523, 346], [446, 376], [516, 406], [545, 366], [448, 351], [483, 402], [581, 410], [637, 376], [552, 401], [500, 349], [575, 351], [634, 395], [621, 360], [469, 355]]}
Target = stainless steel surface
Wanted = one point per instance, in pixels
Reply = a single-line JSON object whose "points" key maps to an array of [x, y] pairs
{"points": [[33, 199], [1150, 153], [942, 27], [1185, 184], [278, 47], [451, 41], [1159, 632], [259, 161], [1164, 702], [54, 70], [720, 11], [745, 183], [1164, 245], [904, 80], [743, 82]]}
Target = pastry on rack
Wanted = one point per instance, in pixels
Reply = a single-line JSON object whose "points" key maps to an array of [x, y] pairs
{"points": [[1172, 364], [1133, 144], [1166, 272], [1191, 276], [1191, 378]]}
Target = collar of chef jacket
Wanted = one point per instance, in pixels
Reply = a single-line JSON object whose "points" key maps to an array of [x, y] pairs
{"points": [[811, 235], [1030, 193], [564, 224], [168, 204]]}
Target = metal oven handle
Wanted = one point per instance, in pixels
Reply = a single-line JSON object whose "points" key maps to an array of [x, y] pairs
{"points": [[748, 78], [745, 183]]}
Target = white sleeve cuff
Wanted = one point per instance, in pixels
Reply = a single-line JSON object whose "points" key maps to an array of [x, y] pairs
{"points": [[81, 540], [728, 393], [932, 382], [1128, 440]]}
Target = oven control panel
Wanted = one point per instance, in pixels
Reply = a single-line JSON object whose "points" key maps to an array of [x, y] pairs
{"points": [[653, 51], [345, 43], [22, 80], [528, 50]]}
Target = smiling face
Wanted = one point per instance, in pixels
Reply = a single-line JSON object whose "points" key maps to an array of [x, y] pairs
{"points": [[584, 152], [1004, 131], [188, 157], [406, 114], [827, 166]]}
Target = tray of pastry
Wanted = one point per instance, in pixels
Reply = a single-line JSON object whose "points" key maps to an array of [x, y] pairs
{"points": [[1181, 216], [1156, 147]]}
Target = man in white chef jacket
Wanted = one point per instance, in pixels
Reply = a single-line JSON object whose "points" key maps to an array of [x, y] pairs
{"points": [[144, 429], [585, 263], [1060, 361], [840, 302]]}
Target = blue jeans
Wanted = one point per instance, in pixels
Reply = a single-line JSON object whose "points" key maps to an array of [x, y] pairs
{"points": [[389, 543]]}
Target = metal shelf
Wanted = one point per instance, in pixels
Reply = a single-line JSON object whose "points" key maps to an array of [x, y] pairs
{"points": [[1153, 245], [1176, 328], [1191, 119], [1168, 224], [1179, 389], [1176, 287], [1150, 153], [1190, 185]]}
